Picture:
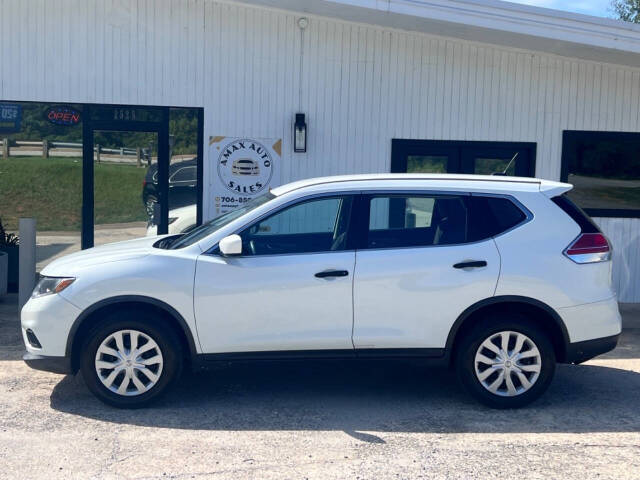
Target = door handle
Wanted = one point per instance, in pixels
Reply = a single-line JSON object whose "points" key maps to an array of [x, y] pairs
{"points": [[332, 273], [471, 264]]}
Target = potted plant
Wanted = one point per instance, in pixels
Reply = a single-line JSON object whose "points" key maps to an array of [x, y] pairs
{"points": [[9, 244]]}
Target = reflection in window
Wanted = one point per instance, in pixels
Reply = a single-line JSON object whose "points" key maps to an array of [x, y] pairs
{"points": [[604, 169], [41, 173], [399, 221], [309, 217], [184, 174], [312, 226], [491, 166], [407, 212], [427, 164]]}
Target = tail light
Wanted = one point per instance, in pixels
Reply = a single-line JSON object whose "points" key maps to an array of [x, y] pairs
{"points": [[589, 248]]}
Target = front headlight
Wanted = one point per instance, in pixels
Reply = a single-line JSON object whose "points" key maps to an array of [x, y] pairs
{"points": [[49, 285]]}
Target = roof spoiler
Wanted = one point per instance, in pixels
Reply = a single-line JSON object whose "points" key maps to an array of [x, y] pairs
{"points": [[553, 189]]}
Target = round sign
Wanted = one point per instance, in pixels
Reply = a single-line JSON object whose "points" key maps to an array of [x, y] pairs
{"points": [[245, 166]]}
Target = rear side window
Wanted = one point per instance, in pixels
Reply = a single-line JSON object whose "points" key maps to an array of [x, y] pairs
{"points": [[576, 213], [184, 174], [416, 220], [491, 216], [427, 220]]}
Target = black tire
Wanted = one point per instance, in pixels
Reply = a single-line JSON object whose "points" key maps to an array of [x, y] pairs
{"points": [[484, 329], [154, 327]]}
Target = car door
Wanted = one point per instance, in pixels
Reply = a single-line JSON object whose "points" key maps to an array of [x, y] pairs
{"points": [[290, 289], [416, 271]]}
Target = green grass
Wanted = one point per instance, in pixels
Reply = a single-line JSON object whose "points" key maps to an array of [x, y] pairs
{"points": [[51, 191]]}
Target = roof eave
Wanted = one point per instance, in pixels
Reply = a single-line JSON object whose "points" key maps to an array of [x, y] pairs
{"points": [[489, 21]]}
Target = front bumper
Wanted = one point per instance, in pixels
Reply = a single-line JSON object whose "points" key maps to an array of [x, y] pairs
{"points": [[50, 318], [579, 352], [60, 365]]}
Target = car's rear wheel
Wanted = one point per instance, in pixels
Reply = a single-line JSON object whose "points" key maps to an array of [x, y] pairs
{"points": [[149, 205], [128, 363], [505, 361]]}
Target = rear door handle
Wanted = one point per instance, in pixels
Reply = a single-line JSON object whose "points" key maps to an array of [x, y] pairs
{"points": [[471, 264], [332, 273]]}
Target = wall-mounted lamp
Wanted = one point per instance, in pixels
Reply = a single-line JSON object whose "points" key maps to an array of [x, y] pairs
{"points": [[300, 134]]}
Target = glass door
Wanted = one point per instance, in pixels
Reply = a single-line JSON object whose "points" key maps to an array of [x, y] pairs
{"points": [[125, 173], [126, 188]]}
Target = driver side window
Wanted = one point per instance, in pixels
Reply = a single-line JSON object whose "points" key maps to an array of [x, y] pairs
{"points": [[318, 225]]}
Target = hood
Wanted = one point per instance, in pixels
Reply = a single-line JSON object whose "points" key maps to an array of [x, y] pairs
{"points": [[112, 252]]}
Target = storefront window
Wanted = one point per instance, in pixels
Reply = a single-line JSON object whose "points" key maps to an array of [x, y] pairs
{"points": [[604, 168], [469, 157], [47, 171], [41, 173], [427, 163]]}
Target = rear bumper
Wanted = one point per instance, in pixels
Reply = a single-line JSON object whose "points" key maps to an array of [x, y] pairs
{"points": [[61, 365], [592, 321], [579, 352]]}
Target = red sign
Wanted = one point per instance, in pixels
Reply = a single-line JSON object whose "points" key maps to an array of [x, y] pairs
{"points": [[61, 115]]}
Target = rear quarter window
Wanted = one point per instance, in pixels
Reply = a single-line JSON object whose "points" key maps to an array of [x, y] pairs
{"points": [[576, 213], [491, 216]]}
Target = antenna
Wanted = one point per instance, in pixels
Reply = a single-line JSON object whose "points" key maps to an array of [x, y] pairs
{"points": [[504, 172]]}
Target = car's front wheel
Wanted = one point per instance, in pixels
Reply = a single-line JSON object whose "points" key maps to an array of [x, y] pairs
{"points": [[506, 361], [128, 363]]}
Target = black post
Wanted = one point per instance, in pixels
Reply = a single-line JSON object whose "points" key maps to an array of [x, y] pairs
{"points": [[199, 172], [87, 179], [163, 172]]}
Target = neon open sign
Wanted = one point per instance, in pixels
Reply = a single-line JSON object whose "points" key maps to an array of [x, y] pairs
{"points": [[61, 115]]}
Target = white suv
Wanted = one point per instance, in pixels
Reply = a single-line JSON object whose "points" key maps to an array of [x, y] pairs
{"points": [[500, 277]]}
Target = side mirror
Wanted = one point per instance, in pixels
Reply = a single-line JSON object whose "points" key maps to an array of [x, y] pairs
{"points": [[231, 245]]}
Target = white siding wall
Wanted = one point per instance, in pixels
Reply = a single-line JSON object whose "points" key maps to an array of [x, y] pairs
{"points": [[623, 233], [361, 85]]}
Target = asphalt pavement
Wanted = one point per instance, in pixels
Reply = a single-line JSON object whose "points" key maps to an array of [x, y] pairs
{"points": [[322, 420]]}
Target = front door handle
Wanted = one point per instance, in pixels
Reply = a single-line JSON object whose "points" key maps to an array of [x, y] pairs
{"points": [[332, 273], [471, 264]]}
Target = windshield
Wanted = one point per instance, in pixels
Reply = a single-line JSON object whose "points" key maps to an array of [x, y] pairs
{"points": [[211, 226]]}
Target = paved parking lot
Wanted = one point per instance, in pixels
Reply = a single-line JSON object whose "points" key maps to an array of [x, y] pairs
{"points": [[321, 420]]}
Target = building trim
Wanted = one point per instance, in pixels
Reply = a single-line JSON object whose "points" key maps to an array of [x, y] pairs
{"points": [[488, 21]]}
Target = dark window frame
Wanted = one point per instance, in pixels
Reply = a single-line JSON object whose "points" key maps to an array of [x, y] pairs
{"points": [[402, 148], [568, 139]]}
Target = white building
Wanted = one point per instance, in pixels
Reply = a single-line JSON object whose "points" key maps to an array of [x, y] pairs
{"points": [[384, 85]]}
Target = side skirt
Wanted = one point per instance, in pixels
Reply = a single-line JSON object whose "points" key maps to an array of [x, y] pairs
{"points": [[433, 356]]}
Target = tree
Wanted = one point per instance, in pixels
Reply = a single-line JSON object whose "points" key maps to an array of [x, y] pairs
{"points": [[627, 10]]}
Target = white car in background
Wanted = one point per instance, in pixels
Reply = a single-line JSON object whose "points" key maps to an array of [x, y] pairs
{"points": [[181, 220], [497, 277]]}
